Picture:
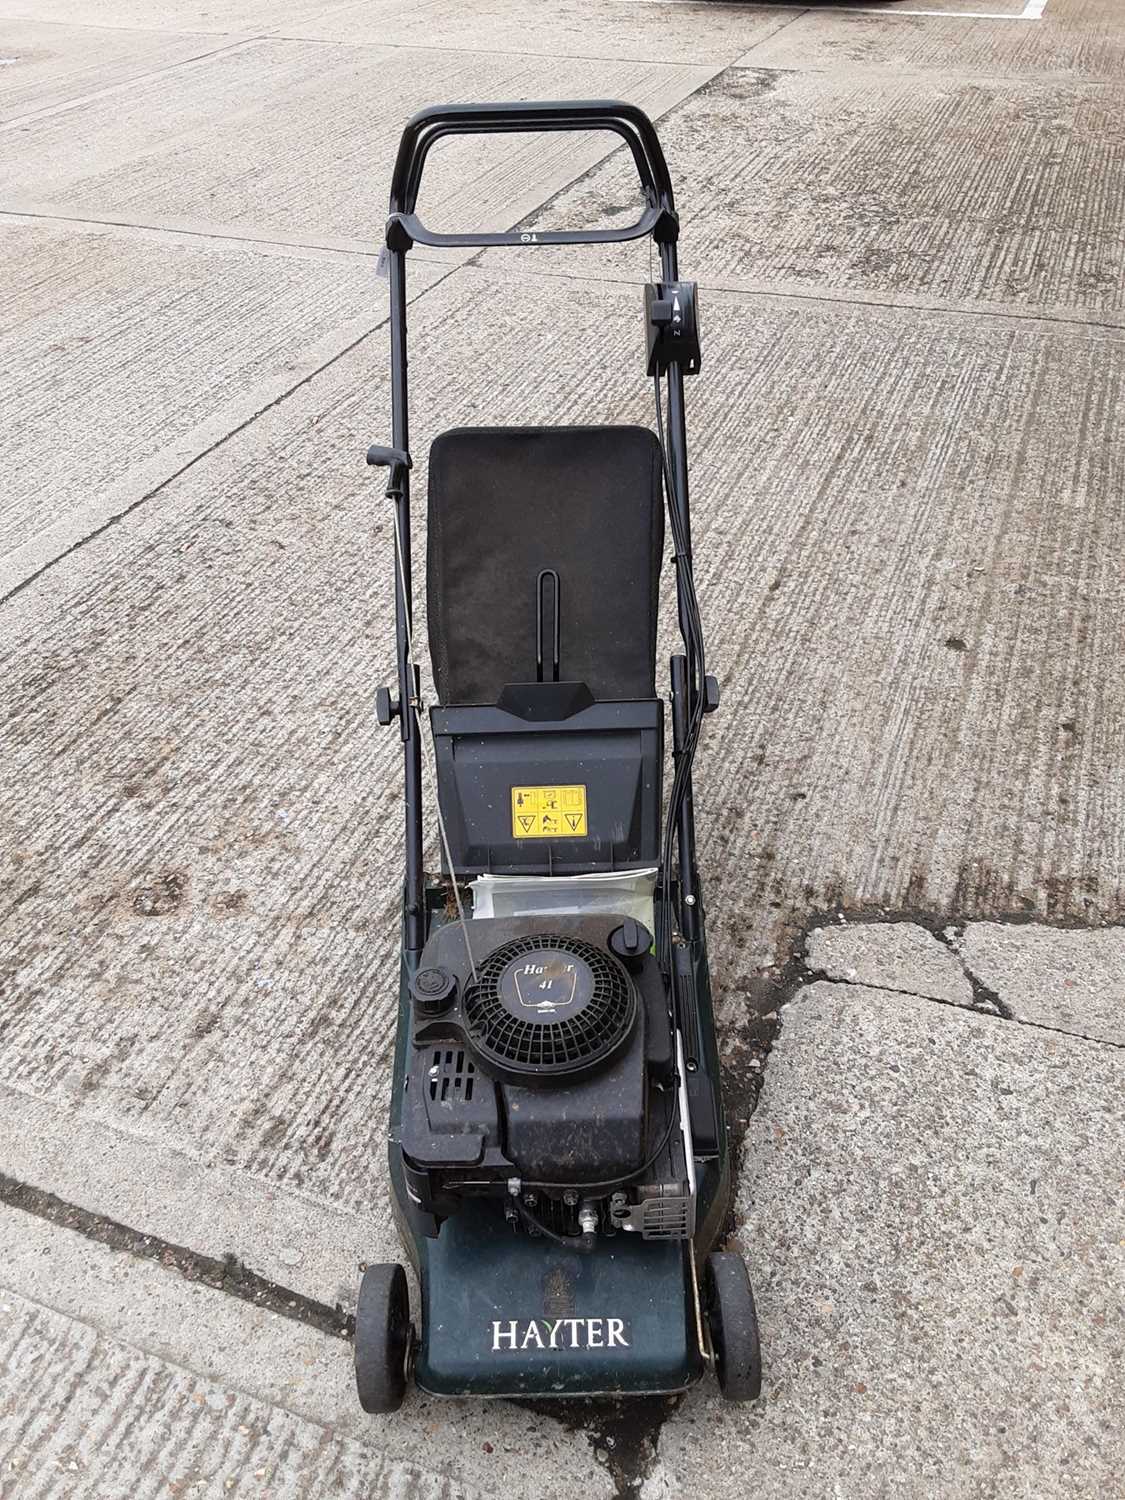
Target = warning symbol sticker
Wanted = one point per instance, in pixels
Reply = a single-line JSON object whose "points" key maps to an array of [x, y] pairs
{"points": [[549, 812]]}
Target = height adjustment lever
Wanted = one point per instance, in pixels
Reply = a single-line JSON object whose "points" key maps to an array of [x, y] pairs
{"points": [[387, 707], [397, 461], [672, 326]]}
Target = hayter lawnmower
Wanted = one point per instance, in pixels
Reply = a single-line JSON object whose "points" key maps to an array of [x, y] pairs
{"points": [[558, 1151]]}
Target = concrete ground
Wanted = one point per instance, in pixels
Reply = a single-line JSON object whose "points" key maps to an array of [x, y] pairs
{"points": [[908, 444]]}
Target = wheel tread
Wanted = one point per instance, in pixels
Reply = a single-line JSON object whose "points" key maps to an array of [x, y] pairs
{"points": [[382, 1338], [733, 1320]]}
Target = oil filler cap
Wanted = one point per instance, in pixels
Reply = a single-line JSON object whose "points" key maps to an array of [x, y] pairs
{"points": [[630, 941], [433, 989]]}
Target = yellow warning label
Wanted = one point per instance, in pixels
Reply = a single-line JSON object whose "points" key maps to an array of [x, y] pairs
{"points": [[549, 812]]}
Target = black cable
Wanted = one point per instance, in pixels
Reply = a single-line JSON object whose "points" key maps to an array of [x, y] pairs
{"points": [[696, 675]]}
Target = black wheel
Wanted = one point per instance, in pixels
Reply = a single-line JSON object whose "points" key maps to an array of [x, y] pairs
{"points": [[733, 1321], [382, 1338]]}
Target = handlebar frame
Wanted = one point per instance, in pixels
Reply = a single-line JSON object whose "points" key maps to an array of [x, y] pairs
{"points": [[403, 230], [430, 125]]}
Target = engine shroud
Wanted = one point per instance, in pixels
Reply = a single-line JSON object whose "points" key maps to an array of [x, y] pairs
{"points": [[555, 1005], [552, 1065]]}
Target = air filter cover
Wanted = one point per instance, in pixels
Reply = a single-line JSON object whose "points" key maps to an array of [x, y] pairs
{"points": [[549, 1007]]}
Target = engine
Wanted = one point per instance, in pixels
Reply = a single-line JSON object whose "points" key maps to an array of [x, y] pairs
{"points": [[543, 1072]]}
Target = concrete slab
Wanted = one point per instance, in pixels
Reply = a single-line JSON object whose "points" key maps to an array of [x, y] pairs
{"points": [[201, 817], [809, 182], [45, 65], [678, 33], [889, 955], [125, 358], [1058, 46], [267, 1051], [1067, 979], [228, 158], [214, 16], [118, 1379], [289, 1237], [930, 1203]]}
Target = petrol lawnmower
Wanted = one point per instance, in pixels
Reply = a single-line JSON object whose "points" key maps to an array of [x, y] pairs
{"points": [[557, 1146]]}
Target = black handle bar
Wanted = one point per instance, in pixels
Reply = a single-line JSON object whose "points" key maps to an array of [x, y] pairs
{"points": [[625, 120]]}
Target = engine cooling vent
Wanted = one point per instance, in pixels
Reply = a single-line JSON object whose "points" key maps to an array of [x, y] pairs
{"points": [[670, 1218], [451, 1077], [547, 1006]]}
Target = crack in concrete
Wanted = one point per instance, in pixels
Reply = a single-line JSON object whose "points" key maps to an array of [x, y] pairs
{"points": [[950, 937], [623, 1434], [225, 1274], [819, 976], [948, 932], [215, 235]]}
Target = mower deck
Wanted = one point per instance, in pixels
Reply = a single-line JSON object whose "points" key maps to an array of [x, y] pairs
{"points": [[507, 1315]]}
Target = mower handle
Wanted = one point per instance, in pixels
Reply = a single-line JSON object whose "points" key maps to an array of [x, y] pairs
{"points": [[626, 120]]}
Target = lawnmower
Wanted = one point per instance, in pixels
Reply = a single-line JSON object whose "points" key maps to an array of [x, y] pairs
{"points": [[557, 1147]]}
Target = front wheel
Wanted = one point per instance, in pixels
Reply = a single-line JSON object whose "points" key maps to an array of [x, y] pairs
{"points": [[382, 1338], [733, 1321]]}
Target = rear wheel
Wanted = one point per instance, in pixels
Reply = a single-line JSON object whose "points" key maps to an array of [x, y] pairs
{"points": [[382, 1338], [733, 1321]]}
